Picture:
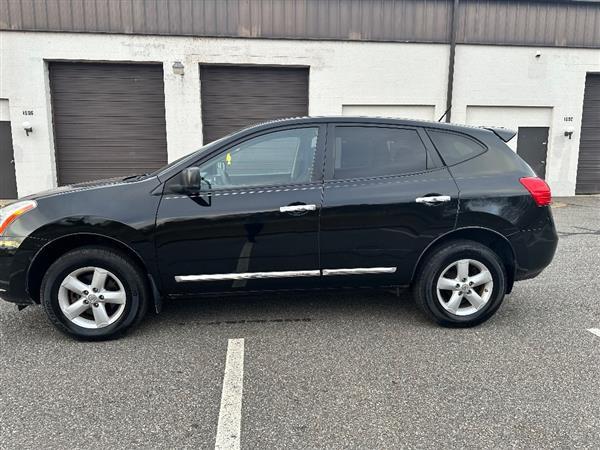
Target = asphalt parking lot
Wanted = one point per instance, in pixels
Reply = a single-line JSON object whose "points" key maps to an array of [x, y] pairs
{"points": [[360, 369]]}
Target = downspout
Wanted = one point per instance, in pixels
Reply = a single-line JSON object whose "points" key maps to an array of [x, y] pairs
{"points": [[453, 25]]}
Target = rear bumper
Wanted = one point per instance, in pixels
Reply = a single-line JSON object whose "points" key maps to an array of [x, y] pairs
{"points": [[534, 249]]}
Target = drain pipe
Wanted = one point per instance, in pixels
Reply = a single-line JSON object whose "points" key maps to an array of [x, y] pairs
{"points": [[453, 25]]}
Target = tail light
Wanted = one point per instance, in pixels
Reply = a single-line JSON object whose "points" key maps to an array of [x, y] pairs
{"points": [[538, 189]]}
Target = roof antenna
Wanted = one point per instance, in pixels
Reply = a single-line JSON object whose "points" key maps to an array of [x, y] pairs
{"points": [[446, 112]]}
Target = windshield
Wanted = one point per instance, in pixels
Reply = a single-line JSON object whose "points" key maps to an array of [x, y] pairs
{"points": [[188, 156]]}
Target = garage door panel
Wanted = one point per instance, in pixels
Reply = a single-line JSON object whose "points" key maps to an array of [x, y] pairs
{"points": [[588, 167], [272, 98], [124, 157], [111, 95], [262, 89], [106, 144], [109, 119], [106, 103], [109, 98], [125, 114], [262, 109], [239, 73], [250, 117], [111, 148], [108, 89], [116, 131], [117, 120], [234, 97]]}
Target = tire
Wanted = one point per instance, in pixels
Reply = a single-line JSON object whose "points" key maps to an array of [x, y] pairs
{"points": [[119, 301], [459, 303]]}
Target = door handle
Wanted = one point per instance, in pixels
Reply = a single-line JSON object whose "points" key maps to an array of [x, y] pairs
{"points": [[433, 199], [297, 208]]}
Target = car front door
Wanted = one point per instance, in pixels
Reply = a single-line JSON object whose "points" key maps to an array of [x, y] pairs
{"points": [[254, 222], [387, 196]]}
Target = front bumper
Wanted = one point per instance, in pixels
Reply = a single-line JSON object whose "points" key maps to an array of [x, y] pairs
{"points": [[14, 264]]}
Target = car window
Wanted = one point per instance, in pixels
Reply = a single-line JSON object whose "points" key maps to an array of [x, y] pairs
{"points": [[190, 156], [282, 157], [377, 151], [455, 148]]}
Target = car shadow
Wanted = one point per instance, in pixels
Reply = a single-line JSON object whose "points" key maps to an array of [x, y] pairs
{"points": [[289, 307]]}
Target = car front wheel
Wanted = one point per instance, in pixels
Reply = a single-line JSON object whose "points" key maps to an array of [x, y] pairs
{"points": [[94, 293], [461, 284]]}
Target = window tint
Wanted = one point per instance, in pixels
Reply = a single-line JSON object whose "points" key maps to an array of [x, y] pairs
{"points": [[455, 148], [282, 157], [377, 151]]}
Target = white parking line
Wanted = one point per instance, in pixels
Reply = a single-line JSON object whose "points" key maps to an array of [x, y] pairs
{"points": [[230, 415], [595, 331]]}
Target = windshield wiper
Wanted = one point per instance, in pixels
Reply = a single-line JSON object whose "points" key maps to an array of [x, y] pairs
{"points": [[136, 177]]}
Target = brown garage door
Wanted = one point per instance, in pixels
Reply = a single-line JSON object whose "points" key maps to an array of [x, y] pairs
{"points": [[109, 120], [235, 97], [588, 169]]}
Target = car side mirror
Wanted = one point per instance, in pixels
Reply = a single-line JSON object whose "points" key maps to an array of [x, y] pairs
{"points": [[191, 179]]}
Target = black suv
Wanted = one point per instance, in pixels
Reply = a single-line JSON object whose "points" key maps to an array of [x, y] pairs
{"points": [[304, 203]]}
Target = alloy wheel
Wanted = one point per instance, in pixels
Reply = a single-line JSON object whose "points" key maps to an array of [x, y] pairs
{"points": [[92, 297], [465, 287]]}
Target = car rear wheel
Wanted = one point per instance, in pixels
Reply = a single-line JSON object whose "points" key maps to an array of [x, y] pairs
{"points": [[94, 293], [461, 284]]}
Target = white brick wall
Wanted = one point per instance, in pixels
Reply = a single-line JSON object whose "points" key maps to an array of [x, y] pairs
{"points": [[341, 73]]}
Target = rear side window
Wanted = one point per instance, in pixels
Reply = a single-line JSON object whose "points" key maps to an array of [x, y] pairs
{"points": [[377, 151], [454, 147]]}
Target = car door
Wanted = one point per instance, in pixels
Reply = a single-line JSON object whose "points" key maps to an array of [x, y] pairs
{"points": [[387, 196], [254, 222]]}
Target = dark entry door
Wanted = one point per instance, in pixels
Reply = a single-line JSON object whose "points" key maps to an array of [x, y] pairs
{"points": [[8, 183], [532, 146]]}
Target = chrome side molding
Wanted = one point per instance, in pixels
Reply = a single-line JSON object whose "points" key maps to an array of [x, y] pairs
{"points": [[247, 275], [358, 271], [297, 208], [283, 274]]}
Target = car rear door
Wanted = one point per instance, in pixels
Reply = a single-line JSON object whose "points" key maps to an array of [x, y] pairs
{"points": [[254, 223], [387, 196]]}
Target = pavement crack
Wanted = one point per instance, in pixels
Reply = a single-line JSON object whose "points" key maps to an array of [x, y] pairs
{"points": [[586, 231]]}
